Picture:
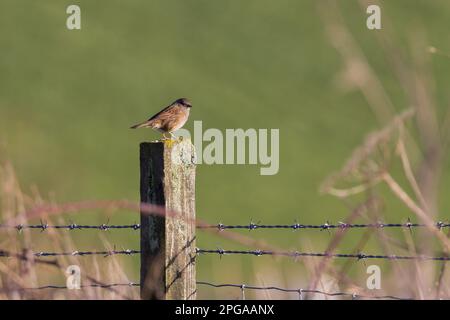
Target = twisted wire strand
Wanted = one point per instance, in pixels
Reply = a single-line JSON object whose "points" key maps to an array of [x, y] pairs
{"points": [[296, 254], [243, 287], [4, 253], [107, 286], [93, 285], [324, 226], [221, 252], [72, 226], [251, 226], [300, 292]]}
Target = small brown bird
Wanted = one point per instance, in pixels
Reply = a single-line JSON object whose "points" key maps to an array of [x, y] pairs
{"points": [[170, 119]]}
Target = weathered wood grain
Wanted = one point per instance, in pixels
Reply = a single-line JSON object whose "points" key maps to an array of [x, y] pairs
{"points": [[167, 242]]}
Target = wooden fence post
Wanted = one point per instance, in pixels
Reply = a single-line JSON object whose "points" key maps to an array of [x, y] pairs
{"points": [[168, 242]]}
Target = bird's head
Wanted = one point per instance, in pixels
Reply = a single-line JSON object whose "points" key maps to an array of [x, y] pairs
{"points": [[184, 102]]}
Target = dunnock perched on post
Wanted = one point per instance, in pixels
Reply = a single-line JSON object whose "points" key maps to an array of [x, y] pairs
{"points": [[170, 119]]}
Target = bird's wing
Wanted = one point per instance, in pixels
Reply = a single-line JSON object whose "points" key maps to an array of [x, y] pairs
{"points": [[160, 118], [166, 109]]}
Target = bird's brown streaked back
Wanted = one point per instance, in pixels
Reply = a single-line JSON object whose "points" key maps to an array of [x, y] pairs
{"points": [[182, 101]]}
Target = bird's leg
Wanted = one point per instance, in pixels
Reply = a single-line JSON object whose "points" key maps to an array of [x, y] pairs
{"points": [[164, 137]]}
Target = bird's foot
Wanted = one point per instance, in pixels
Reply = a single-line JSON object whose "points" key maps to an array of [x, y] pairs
{"points": [[164, 138], [168, 141]]}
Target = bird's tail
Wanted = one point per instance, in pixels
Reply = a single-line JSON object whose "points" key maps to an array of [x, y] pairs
{"points": [[140, 125]]}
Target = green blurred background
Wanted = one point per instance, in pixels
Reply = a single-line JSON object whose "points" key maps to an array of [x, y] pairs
{"points": [[67, 99]]}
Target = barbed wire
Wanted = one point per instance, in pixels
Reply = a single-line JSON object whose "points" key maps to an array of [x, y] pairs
{"points": [[4, 253], [25, 256], [43, 226], [325, 226], [221, 252], [243, 287], [251, 226], [93, 285], [296, 254], [299, 291], [108, 286]]}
